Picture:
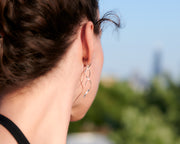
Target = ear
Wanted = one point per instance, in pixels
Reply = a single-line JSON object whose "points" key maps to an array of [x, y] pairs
{"points": [[87, 37]]}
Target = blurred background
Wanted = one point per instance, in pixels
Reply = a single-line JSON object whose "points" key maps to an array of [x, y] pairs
{"points": [[138, 101]]}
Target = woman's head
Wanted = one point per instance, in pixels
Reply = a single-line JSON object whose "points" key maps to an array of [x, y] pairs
{"points": [[36, 34]]}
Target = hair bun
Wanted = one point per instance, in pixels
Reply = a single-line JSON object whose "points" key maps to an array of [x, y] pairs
{"points": [[1, 35], [1, 31]]}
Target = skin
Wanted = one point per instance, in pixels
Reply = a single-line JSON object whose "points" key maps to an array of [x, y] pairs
{"points": [[44, 110]]}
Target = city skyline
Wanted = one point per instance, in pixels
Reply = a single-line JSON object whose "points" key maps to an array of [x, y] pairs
{"points": [[146, 27]]}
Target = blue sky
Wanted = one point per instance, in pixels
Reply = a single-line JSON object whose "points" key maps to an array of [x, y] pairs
{"points": [[147, 27]]}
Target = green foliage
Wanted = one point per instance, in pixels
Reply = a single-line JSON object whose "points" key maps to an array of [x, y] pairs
{"points": [[131, 117]]}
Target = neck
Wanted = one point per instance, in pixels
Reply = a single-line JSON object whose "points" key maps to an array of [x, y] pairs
{"points": [[42, 114], [43, 111]]}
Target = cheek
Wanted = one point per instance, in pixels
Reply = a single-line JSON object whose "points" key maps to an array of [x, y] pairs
{"points": [[99, 60], [97, 69]]}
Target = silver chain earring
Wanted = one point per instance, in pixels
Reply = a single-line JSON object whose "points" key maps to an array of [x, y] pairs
{"points": [[88, 80]]}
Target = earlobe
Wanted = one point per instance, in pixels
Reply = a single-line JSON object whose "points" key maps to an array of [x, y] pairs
{"points": [[88, 42]]}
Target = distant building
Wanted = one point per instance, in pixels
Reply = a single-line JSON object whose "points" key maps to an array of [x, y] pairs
{"points": [[88, 138], [137, 82], [157, 64], [108, 81]]}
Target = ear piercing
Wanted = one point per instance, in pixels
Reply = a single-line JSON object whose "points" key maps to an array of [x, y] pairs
{"points": [[88, 80]]}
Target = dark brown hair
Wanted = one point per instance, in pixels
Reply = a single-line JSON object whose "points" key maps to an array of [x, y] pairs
{"points": [[35, 34]]}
